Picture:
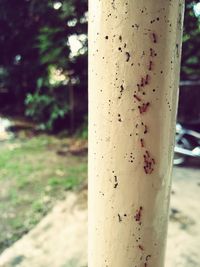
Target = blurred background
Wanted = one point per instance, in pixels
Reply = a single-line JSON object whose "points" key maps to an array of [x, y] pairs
{"points": [[43, 137]]}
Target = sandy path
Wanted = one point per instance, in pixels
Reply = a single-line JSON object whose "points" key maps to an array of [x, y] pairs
{"points": [[60, 239], [184, 228]]}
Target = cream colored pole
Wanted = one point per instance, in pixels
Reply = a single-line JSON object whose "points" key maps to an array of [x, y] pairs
{"points": [[134, 62]]}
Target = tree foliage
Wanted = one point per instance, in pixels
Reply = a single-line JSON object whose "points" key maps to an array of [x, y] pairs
{"points": [[36, 65], [190, 67], [41, 76]]}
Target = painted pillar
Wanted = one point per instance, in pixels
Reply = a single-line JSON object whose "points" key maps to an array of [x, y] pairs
{"points": [[134, 64]]}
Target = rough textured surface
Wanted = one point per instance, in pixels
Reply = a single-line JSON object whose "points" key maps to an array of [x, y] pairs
{"points": [[60, 239], [134, 60]]}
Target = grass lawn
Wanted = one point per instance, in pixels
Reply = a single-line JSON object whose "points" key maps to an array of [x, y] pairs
{"points": [[32, 177]]}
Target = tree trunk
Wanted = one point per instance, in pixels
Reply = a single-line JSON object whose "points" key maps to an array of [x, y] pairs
{"points": [[134, 64], [71, 108]]}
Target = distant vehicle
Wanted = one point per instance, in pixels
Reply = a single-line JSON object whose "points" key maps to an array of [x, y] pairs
{"points": [[187, 143]]}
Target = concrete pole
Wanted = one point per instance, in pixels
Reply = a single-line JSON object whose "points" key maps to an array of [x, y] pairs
{"points": [[134, 64]]}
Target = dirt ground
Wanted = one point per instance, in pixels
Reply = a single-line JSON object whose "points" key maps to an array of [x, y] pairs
{"points": [[60, 239]]}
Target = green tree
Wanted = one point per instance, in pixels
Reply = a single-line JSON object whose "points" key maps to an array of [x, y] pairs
{"points": [[40, 74], [36, 65], [191, 43]]}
